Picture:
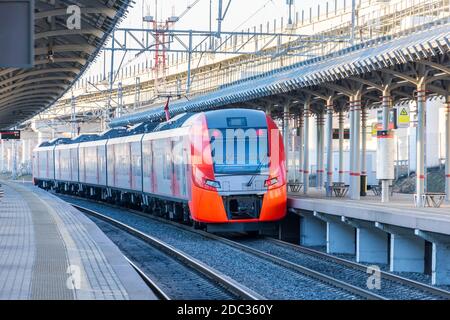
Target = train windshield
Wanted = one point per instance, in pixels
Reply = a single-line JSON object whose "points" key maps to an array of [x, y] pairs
{"points": [[239, 151]]}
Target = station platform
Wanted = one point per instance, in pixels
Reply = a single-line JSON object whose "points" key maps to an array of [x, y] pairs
{"points": [[399, 211], [51, 251]]}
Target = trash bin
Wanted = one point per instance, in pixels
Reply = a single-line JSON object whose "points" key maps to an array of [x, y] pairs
{"points": [[363, 191]]}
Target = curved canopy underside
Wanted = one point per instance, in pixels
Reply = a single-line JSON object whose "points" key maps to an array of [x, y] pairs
{"points": [[26, 92]]}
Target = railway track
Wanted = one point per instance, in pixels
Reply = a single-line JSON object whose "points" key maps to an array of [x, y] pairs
{"points": [[176, 266], [309, 284], [392, 286], [333, 271], [160, 293]]}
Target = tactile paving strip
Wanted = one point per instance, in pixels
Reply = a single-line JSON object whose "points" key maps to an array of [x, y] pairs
{"points": [[49, 278], [16, 247], [41, 236], [102, 279]]}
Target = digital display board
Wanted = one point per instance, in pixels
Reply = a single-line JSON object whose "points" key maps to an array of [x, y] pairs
{"points": [[10, 135], [17, 22], [237, 122]]}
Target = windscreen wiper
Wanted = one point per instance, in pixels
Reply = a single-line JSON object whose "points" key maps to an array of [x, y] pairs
{"points": [[250, 182]]}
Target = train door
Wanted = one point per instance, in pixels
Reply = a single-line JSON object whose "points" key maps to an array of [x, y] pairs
{"points": [[162, 166], [180, 160], [176, 166], [136, 166], [101, 154], [147, 166], [111, 165]]}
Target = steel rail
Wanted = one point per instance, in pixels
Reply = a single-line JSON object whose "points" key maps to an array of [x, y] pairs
{"points": [[226, 282], [360, 267]]}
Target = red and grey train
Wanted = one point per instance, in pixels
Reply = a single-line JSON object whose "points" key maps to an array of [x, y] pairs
{"points": [[223, 169]]}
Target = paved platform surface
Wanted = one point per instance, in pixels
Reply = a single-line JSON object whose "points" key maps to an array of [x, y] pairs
{"points": [[49, 250], [400, 211]]}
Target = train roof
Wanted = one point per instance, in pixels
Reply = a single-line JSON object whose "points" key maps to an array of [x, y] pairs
{"points": [[55, 142], [175, 122], [142, 128], [213, 116]]}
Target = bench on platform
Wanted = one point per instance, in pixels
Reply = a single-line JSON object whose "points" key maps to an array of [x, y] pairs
{"points": [[376, 189], [295, 186], [431, 199], [340, 189]]}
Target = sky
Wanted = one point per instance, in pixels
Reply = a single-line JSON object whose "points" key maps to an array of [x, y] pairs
{"points": [[242, 14]]}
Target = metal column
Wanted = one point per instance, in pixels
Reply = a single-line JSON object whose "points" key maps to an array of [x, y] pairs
{"points": [[341, 146], [286, 131], [300, 144], [386, 108], [14, 159], [306, 111], [330, 168], [73, 118], [355, 170], [420, 143], [352, 145], [294, 141], [363, 151], [189, 77], [320, 149], [447, 151], [3, 156], [119, 110]]}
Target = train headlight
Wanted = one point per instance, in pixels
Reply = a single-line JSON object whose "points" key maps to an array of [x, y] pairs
{"points": [[270, 182], [212, 183]]}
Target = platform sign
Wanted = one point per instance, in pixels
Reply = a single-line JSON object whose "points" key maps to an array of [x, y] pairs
{"points": [[403, 117], [375, 128], [16, 33], [10, 134], [392, 119]]}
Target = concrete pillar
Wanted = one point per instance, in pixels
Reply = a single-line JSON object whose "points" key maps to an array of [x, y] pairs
{"points": [[340, 238], [269, 110], [386, 104], [363, 152], [371, 245], [447, 151], [286, 131], [420, 142], [440, 256], [407, 251], [301, 151], [341, 146], [320, 149], [440, 266], [330, 168], [371, 242], [313, 231], [306, 113]]}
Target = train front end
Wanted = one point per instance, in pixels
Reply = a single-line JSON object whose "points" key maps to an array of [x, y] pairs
{"points": [[238, 171]]}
